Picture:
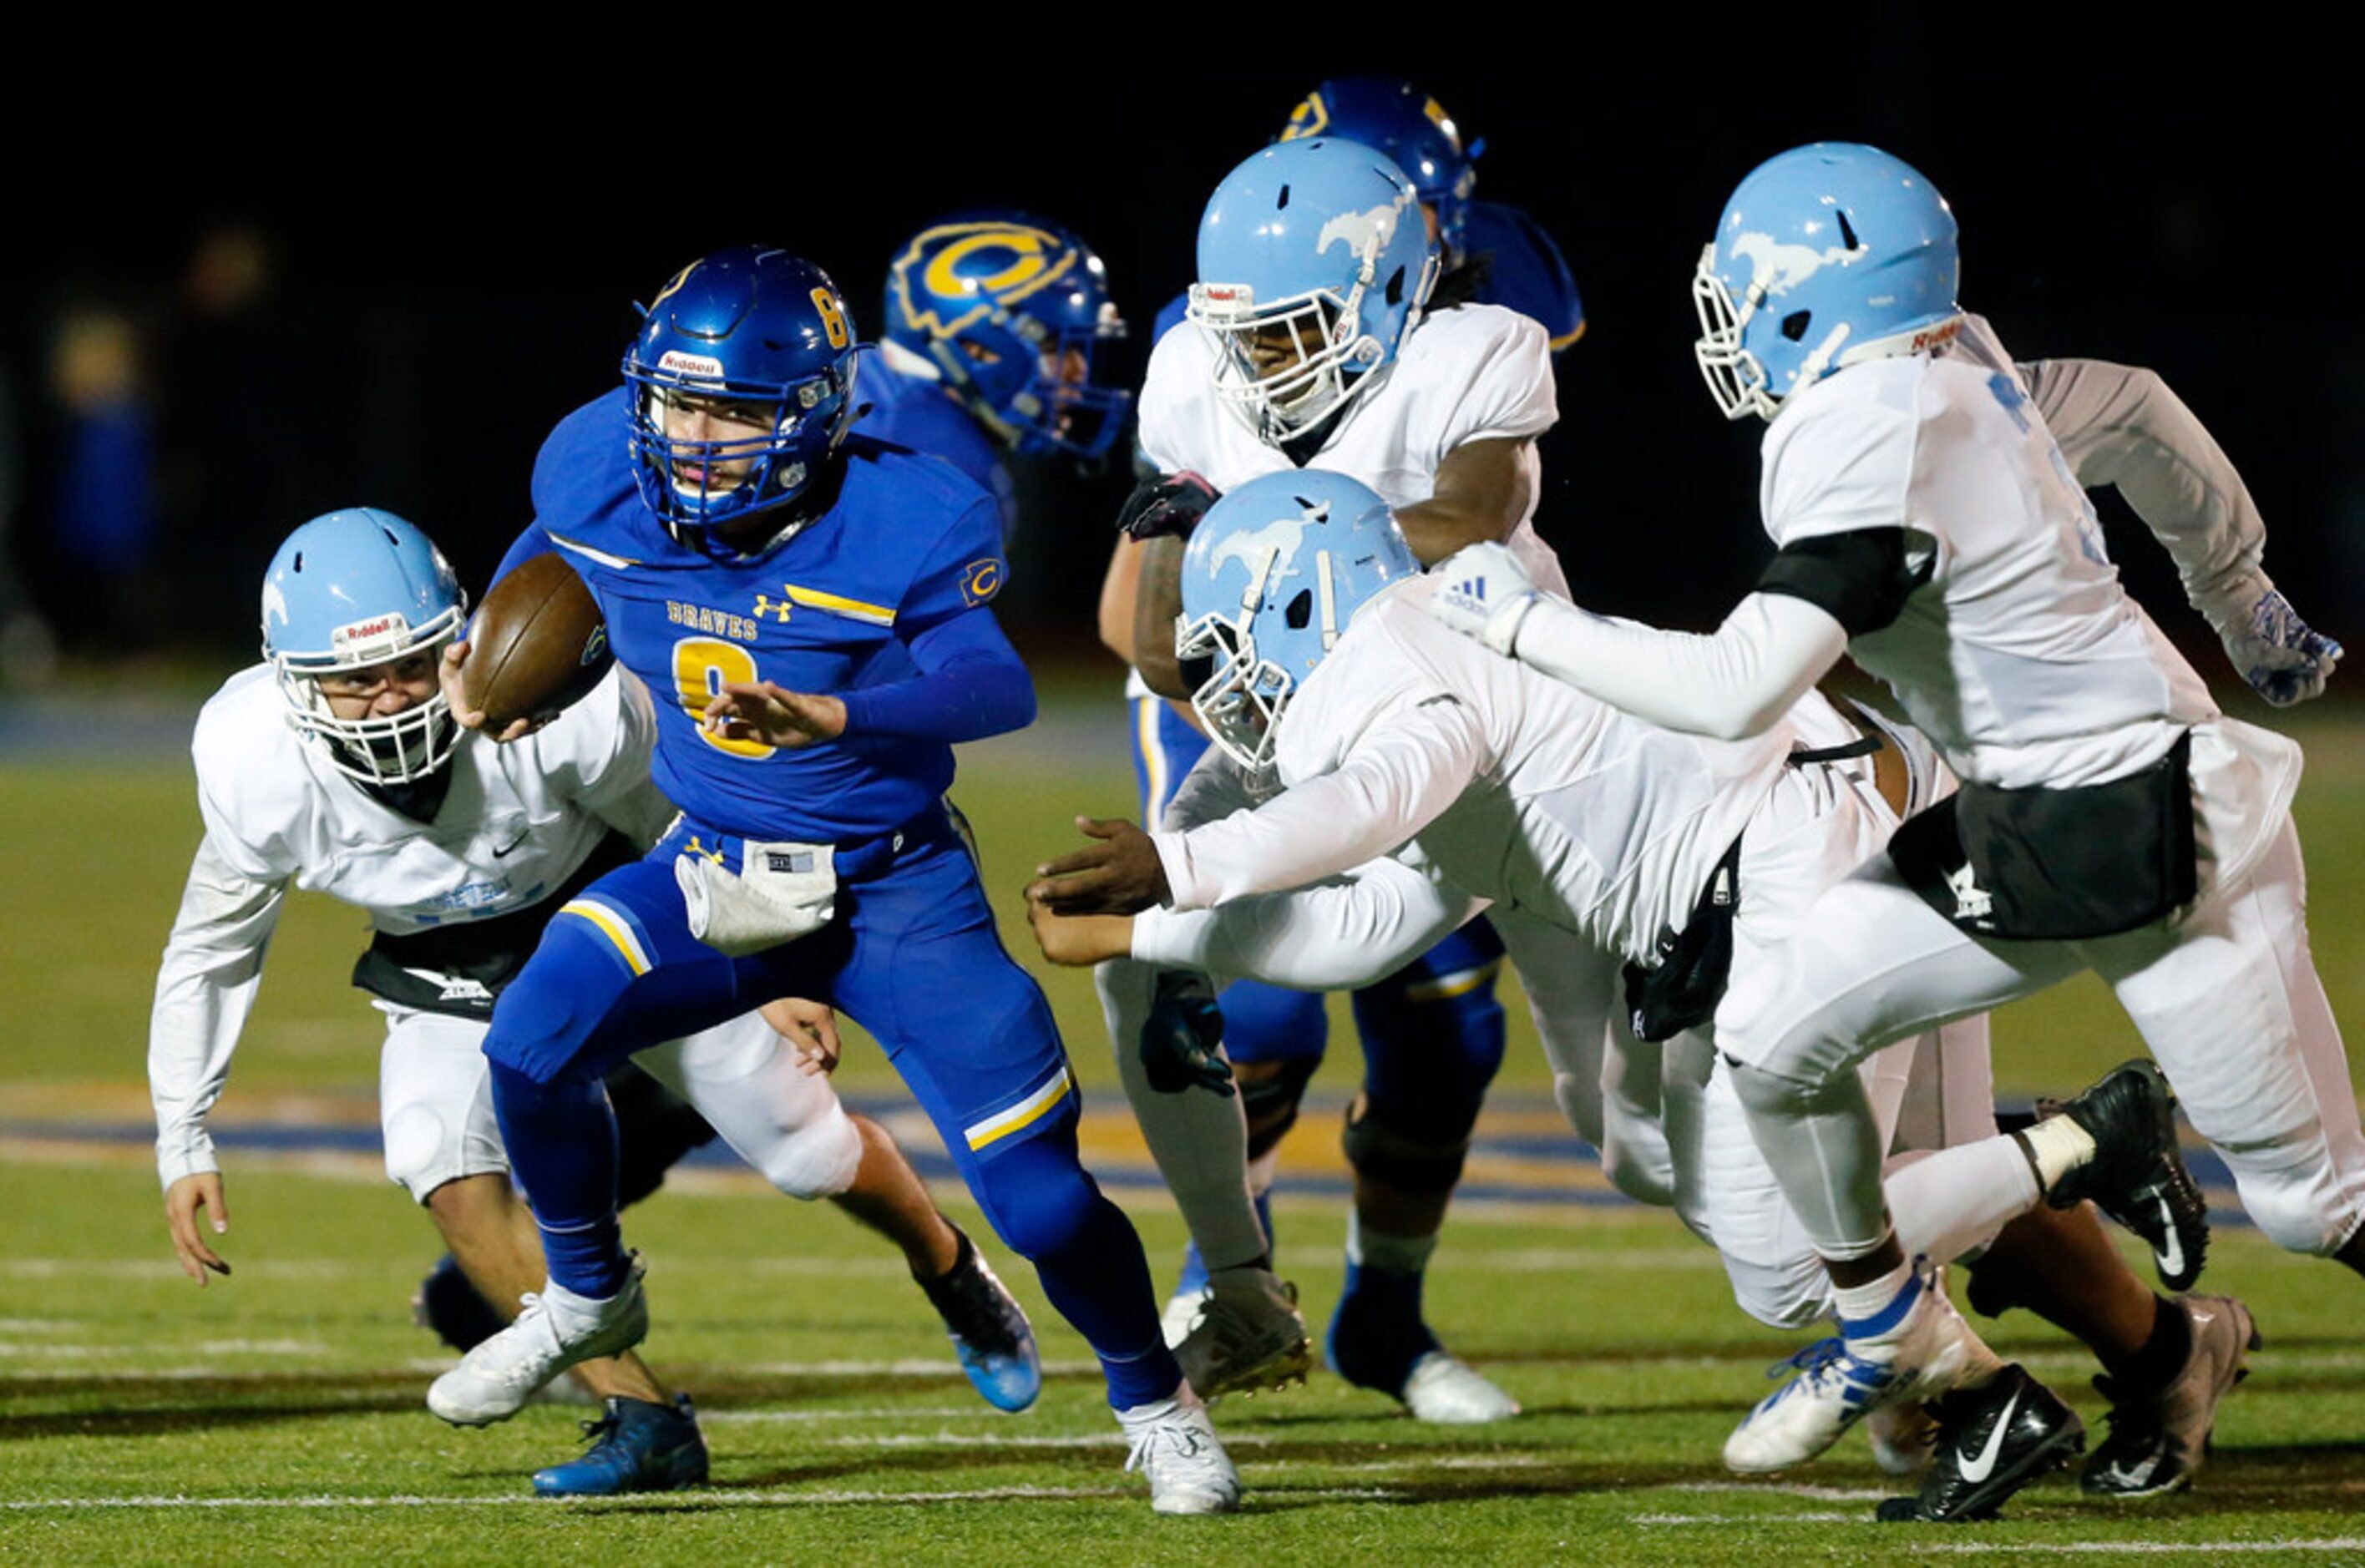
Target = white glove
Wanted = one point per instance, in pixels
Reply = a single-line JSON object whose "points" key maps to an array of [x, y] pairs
{"points": [[2274, 650], [1482, 591]]}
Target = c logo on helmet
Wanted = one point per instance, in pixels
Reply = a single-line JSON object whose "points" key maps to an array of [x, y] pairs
{"points": [[981, 580], [1308, 119], [1026, 260]]}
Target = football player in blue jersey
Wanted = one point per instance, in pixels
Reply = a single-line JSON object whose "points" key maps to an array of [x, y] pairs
{"points": [[809, 607], [992, 349], [1494, 254]]}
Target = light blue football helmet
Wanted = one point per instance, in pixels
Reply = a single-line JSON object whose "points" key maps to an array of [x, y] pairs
{"points": [[347, 591], [1393, 115], [751, 326], [1314, 263], [1827, 255], [1010, 312], [1273, 574]]}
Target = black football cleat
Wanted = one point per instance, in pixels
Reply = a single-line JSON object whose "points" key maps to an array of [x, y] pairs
{"points": [[1991, 1441], [2137, 1177]]}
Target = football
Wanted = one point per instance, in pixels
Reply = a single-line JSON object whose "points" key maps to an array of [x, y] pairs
{"points": [[538, 643]]}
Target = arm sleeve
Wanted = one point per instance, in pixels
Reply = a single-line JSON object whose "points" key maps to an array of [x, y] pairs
{"points": [[971, 682], [1333, 937], [213, 963], [1395, 782], [2121, 425], [1735, 681]]}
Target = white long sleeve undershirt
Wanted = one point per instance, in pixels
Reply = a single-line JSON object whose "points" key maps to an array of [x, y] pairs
{"points": [[205, 988], [1732, 683]]}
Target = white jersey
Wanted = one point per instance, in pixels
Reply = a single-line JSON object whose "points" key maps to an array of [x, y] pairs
{"points": [[1410, 739], [2024, 660], [517, 822], [1468, 374]]}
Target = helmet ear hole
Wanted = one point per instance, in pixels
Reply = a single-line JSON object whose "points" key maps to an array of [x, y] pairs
{"points": [[1300, 611], [1794, 325], [1396, 287]]}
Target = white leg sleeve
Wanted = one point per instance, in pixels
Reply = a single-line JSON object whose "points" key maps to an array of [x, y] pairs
{"points": [[435, 1101], [2228, 1000], [1198, 1138], [742, 1077]]}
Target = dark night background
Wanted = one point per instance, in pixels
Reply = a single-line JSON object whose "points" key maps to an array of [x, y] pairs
{"points": [[450, 262]]}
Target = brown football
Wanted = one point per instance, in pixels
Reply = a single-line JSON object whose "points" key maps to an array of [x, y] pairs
{"points": [[538, 643]]}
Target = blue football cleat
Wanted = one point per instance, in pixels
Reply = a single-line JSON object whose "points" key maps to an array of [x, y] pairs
{"points": [[988, 1330], [635, 1447]]}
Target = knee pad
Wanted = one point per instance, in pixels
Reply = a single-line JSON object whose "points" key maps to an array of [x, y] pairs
{"points": [[1269, 1096], [1268, 1024], [655, 1128], [1411, 1162], [421, 1152], [1434, 1027], [819, 1159]]}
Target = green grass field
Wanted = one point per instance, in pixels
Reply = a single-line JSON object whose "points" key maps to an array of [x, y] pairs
{"points": [[277, 1415]]}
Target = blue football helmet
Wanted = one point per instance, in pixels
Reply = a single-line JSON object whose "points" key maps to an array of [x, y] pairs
{"points": [[1393, 115], [347, 591], [760, 330], [1272, 574], [1827, 255], [1313, 264], [1010, 313]]}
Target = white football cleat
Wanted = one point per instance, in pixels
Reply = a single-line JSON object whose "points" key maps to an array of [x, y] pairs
{"points": [[556, 1329], [1247, 1335], [1913, 1350], [1174, 1446], [2160, 1436], [1449, 1391]]}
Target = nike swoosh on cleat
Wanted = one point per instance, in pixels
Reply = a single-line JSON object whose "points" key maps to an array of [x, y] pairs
{"points": [[1977, 1468], [2171, 1251]]}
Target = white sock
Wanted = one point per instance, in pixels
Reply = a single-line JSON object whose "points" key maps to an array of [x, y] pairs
{"points": [[1858, 1302]]}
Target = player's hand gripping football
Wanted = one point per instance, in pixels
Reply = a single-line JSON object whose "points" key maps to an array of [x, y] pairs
{"points": [[456, 696], [1172, 504], [768, 713], [187, 1197], [1119, 874], [2283, 660], [1482, 592]]}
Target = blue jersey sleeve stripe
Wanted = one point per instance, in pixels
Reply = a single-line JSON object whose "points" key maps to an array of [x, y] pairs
{"points": [[838, 604]]}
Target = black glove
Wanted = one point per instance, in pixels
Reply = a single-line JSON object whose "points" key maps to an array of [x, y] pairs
{"points": [[1174, 504], [1182, 1040]]}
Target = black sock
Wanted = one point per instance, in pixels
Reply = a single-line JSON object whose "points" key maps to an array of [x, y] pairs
{"points": [[2163, 1354]]}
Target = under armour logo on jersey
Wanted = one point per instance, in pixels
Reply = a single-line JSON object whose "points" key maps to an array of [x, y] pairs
{"points": [[1971, 900], [777, 609]]}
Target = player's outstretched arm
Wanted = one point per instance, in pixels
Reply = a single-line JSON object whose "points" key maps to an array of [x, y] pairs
{"points": [[184, 1202], [1736, 681], [1118, 873], [2122, 425]]}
